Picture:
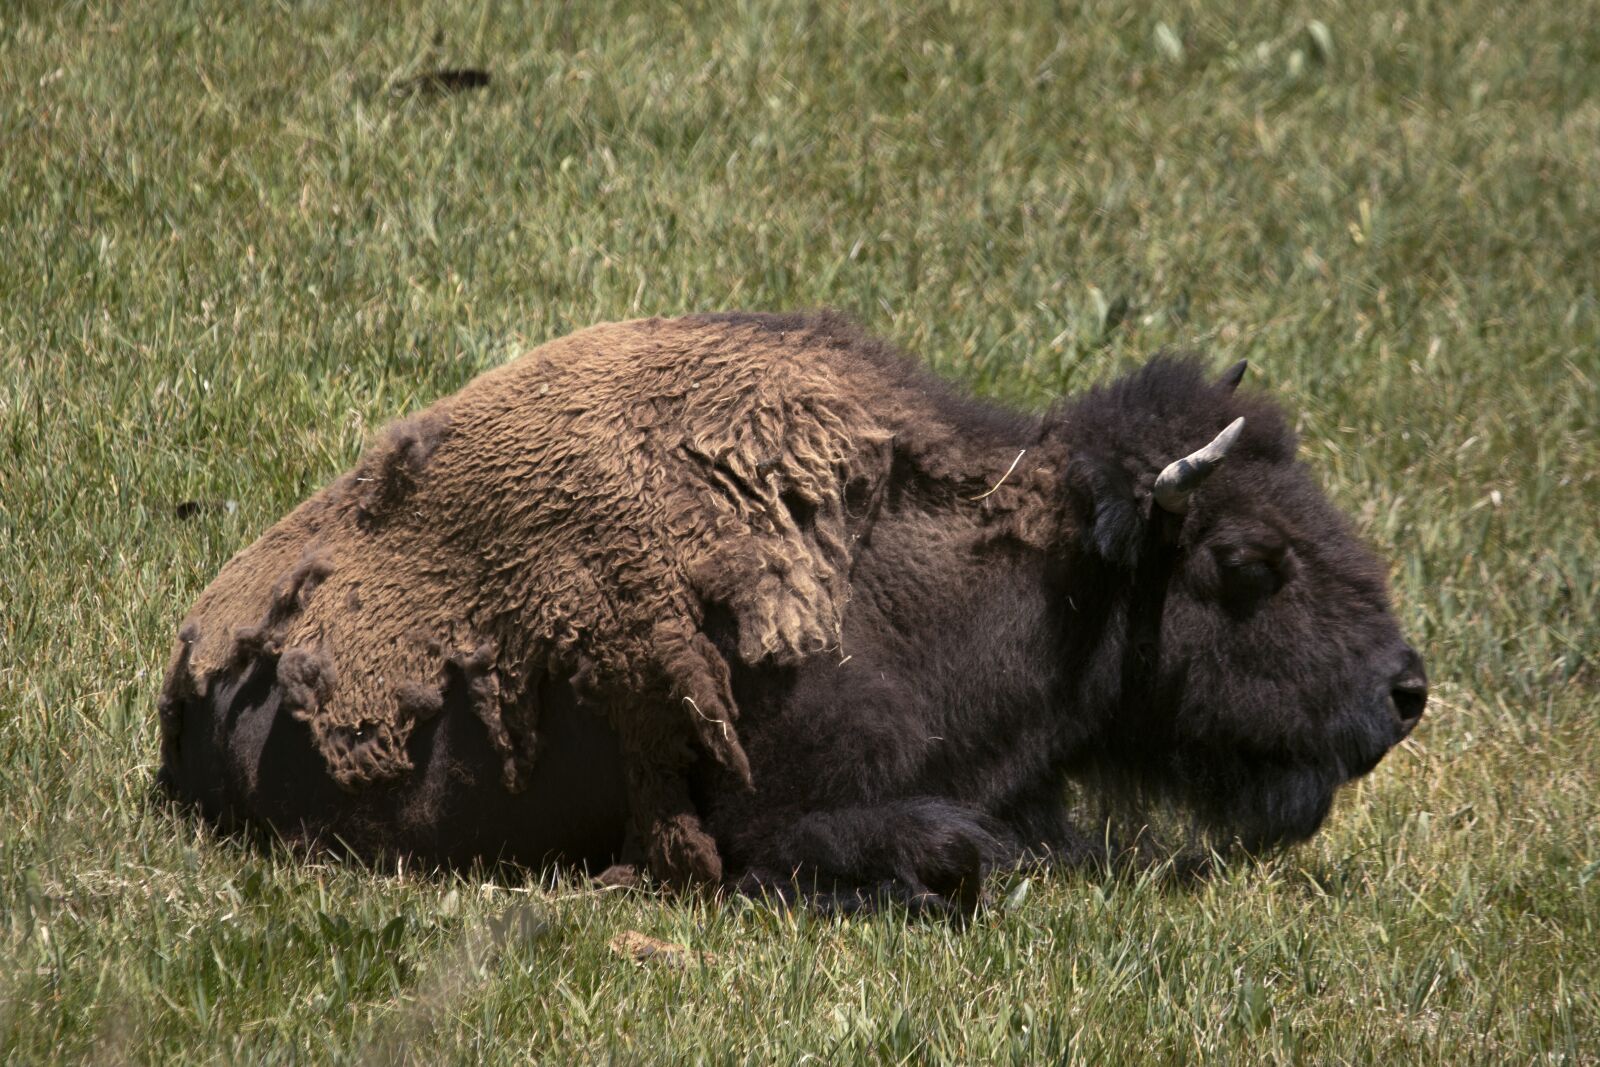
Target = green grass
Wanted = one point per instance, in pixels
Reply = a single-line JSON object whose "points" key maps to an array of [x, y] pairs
{"points": [[229, 251]]}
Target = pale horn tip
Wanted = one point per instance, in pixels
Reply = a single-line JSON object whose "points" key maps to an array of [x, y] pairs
{"points": [[1183, 476]]}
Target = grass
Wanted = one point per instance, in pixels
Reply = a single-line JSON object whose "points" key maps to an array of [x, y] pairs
{"points": [[229, 250]]}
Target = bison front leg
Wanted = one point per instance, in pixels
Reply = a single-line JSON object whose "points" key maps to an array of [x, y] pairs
{"points": [[666, 717], [665, 833], [677, 849], [926, 853]]}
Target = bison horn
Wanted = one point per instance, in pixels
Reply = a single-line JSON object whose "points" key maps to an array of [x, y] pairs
{"points": [[1183, 476], [1234, 375]]}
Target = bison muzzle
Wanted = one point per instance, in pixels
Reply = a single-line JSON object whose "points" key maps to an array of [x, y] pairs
{"points": [[754, 601]]}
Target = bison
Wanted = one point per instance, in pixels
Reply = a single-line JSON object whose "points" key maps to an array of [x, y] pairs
{"points": [[755, 601]]}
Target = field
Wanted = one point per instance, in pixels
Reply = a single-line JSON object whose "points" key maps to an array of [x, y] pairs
{"points": [[235, 239]]}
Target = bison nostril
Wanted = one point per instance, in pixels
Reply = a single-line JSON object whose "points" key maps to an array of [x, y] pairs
{"points": [[1410, 696], [1408, 691]]}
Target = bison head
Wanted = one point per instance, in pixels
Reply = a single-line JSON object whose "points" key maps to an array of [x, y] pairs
{"points": [[1228, 625]]}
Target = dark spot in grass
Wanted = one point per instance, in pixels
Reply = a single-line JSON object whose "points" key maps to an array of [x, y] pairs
{"points": [[442, 82], [188, 509]]}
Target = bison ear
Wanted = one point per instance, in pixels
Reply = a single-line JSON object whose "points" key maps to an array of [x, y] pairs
{"points": [[1113, 523], [1234, 375]]}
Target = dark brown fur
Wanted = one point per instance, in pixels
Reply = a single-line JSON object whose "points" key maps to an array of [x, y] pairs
{"points": [[775, 552]]}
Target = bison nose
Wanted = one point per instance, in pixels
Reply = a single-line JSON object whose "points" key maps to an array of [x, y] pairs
{"points": [[1408, 691]]}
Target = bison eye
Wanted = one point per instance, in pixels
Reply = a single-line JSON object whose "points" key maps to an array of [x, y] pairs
{"points": [[1252, 579]]}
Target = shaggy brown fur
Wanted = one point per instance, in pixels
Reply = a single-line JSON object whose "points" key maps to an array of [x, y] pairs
{"points": [[574, 515]]}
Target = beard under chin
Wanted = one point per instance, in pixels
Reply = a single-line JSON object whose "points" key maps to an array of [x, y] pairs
{"points": [[1256, 803], [1209, 801]]}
